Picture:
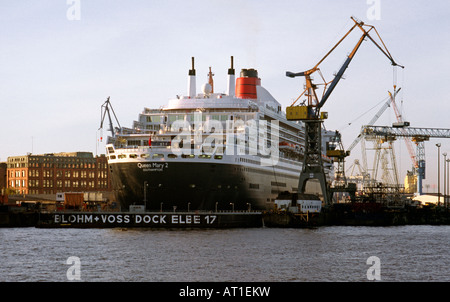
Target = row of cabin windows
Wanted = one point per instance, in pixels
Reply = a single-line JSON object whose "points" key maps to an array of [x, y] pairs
{"points": [[176, 117], [158, 155]]}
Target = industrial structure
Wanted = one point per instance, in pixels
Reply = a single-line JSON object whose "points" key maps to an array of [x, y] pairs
{"points": [[417, 135], [309, 112], [107, 109]]}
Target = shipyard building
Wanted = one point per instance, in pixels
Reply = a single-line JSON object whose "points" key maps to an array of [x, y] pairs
{"points": [[48, 174]]}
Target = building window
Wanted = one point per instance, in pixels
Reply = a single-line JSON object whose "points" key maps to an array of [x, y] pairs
{"points": [[253, 186]]}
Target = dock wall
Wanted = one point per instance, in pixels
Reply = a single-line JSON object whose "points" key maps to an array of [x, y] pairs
{"points": [[149, 220], [341, 214]]}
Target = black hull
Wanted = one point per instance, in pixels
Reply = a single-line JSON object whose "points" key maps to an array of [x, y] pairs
{"points": [[195, 186]]}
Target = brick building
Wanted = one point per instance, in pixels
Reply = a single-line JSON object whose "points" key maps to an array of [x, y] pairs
{"points": [[2, 177], [58, 172]]}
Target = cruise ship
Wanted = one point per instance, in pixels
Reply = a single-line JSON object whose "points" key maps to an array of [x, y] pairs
{"points": [[210, 151]]}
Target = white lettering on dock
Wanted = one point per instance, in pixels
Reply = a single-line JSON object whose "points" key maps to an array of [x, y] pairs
{"points": [[186, 219], [134, 219]]}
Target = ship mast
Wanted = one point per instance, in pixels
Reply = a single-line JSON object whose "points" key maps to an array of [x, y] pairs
{"points": [[210, 80]]}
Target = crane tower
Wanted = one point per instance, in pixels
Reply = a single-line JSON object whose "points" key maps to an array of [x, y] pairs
{"points": [[310, 114]]}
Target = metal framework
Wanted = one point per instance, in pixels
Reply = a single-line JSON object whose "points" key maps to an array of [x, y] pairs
{"points": [[418, 135], [413, 132], [106, 107], [312, 117]]}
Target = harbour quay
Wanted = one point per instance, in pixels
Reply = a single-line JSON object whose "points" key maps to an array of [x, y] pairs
{"points": [[360, 214], [149, 219], [343, 215]]}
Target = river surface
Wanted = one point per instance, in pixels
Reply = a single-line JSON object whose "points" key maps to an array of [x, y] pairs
{"points": [[403, 253]]}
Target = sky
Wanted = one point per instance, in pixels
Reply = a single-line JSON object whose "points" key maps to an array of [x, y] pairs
{"points": [[61, 59]]}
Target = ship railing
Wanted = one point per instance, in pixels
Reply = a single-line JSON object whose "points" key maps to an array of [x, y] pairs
{"points": [[212, 211], [79, 210], [134, 148], [193, 212], [116, 210]]}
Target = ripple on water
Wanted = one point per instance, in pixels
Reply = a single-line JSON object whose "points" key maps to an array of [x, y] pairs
{"points": [[406, 253]]}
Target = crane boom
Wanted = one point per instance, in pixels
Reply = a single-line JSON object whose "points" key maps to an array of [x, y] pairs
{"points": [[310, 87], [310, 114], [416, 133], [390, 101]]}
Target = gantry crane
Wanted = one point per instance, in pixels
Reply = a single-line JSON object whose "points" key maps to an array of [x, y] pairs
{"points": [[312, 117], [382, 153], [380, 157], [418, 135], [360, 178]]}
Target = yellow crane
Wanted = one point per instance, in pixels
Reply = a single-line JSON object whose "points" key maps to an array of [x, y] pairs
{"points": [[310, 113]]}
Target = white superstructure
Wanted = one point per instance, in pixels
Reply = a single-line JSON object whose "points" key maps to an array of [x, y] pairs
{"points": [[243, 134]]}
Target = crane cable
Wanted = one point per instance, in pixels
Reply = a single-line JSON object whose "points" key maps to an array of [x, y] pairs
{"points": [[361, 115]]}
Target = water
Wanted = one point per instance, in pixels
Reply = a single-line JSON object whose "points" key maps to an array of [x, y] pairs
{"points": [[406, 253]]}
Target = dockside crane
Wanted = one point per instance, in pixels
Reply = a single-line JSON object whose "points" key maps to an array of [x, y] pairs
{"points": [[105, 109], [417, 135], [312, 117]]}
